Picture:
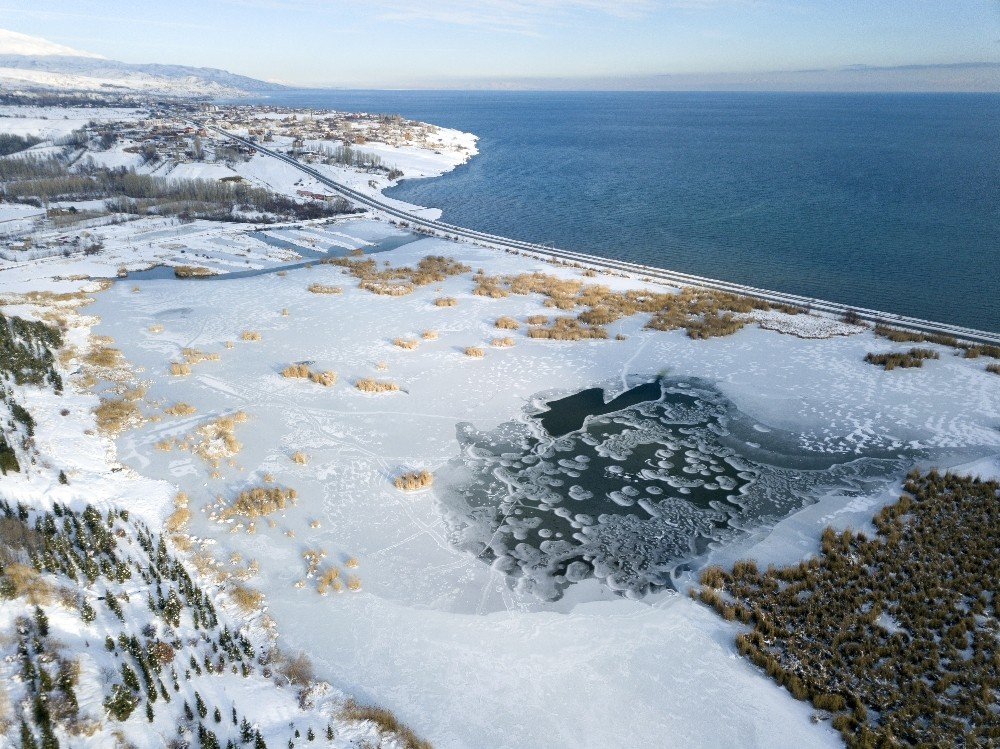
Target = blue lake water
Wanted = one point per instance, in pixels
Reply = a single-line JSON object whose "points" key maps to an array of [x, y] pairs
{"points": [[890, 201]]}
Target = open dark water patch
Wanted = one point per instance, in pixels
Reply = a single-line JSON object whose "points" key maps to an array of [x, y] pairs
{"points": [[627, 490]]}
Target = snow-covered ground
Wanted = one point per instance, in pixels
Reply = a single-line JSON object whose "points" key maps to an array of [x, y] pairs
{"points": [[435, 634], [447, 641]]}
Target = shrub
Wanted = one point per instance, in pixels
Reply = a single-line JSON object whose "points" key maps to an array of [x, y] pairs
{"points": [[414, 481], [180, 369], [502, 342], [408, 344], [474, 352], [429, 335], [181, 409], [195, 356], [300, 458], [445, 301], [156, 328], [507, 323], [250, 335], [300, 371], [371, 385], [993, 368], [537, 320]]}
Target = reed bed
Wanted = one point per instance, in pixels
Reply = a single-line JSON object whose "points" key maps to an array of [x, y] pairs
{"points": [[320, 288], [912, 359], [259, 501], [115, 415], [390, 281], [371, 385], [195, 356], [192, 271], [412, 481]]}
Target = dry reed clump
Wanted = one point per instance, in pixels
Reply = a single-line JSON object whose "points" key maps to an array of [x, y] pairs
{"points": [[299, 371], [320, 288], [353, 583], [181, 516], [489, 286], [414, 481], [191, 271], [156, 328], [300, 458], [905, 336], [250, 335], [912, 359], [399, 281], [537, 320], [115, 415], [180, 369], [329, 579], [507, 323], [247, 599], [352, 563], [165, 445], [326, 379], [474, 352], [408, 344], [371, 385], [104, 357], [217, 439], [230, 344], [385, 720], [993, 369], [194, 356], [568, 329], [313, 558], [181, 409], [284, 312], [429, 335], [506, 342], [446, 301], [259, 502]]}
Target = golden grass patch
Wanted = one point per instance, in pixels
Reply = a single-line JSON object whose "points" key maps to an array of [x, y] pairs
{"points": [[250, 335], [429, 335], [371, 385], [191, 271], [474, 352], [300, 371], [385, 720], [300, 457], [247, 599], [408, 344], [326, 378], [259, 502], [195, 356], [446, 301], [320, 288], [412, 481], [506, 342], [115, 415], [180, 369], [180, 409], [507, 323]]}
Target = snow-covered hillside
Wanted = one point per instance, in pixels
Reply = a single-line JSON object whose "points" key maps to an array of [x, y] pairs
{"points": [[28, 62]]}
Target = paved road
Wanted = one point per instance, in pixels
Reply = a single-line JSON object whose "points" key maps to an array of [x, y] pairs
{"points": [[442, 229]]}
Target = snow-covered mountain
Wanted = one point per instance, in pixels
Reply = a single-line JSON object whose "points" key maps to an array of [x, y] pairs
{"points": [[32, 63]]}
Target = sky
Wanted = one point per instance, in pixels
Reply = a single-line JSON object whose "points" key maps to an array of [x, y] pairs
{"points": [[540, 43]]}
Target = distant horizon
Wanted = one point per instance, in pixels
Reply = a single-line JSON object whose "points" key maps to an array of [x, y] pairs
{"points": [[870, 45]]}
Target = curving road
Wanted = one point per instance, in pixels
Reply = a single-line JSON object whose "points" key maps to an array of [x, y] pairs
{"points": [[674, 278]]}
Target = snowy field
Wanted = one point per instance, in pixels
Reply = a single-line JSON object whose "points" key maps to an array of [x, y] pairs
{"points": [[443, 639]]}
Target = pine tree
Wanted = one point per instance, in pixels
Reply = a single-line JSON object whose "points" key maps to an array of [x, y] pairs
{"points": [[149, 711], [199, 704], [329, 732], [187, 711], [41, 622], [87, 612], [217, 715], [27, 738]]}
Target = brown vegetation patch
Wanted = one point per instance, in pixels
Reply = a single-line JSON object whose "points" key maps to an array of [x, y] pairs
{"points": [[414, 481], [195, 356], [507, 323], [429, 335], [474, 352], [446, 301], [506, 342], [115, 415], [568, 329], [250, 335], [371, 385], [320, 288], [180, 369], [259, 502], [385, 720], [192, 271], [408, 344], [906, 336], [300, 457], [181, 409], [391, 281], [300, 371], [912, 359], [896, 634]]}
